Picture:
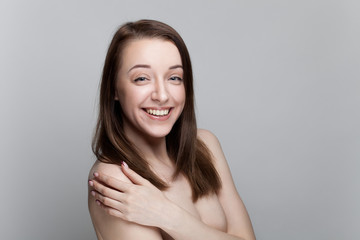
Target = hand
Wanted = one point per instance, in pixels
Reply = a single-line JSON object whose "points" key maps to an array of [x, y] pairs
{"points": [[139, 201]]}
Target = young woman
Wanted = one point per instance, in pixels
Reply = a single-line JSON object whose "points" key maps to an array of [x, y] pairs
{"points": [[157, 176]]}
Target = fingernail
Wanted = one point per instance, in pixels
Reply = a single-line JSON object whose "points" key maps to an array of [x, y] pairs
{"points": [[91, 183], [93, 193], [125, 165], [95, 174], [97, 202]]}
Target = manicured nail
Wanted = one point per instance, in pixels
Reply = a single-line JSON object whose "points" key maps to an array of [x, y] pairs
{"points": [[93, 193], [125, 165], [96, 174], [91, 183]]}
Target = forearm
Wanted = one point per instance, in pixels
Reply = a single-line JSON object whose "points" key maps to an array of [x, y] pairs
{"points": [[181, 225]]}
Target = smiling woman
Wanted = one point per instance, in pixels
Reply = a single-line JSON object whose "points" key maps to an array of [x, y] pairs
{"points": [[157, 176]]}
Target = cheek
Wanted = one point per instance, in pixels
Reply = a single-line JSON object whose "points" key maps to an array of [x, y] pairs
{"points": [[183, 96], [126, 100], [178, 94], [131, 97]]}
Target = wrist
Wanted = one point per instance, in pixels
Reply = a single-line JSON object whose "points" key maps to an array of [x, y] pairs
{"points": [[171, 216]]}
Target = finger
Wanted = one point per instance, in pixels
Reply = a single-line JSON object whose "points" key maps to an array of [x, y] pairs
{"points": [[110, 211], [106, 191], [112, 182], [133, 176], [109, 202]]}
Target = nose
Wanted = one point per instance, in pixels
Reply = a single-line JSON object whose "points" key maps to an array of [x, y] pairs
{"points": [[160, 92]]}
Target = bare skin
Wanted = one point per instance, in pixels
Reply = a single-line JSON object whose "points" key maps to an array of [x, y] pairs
{"points": [[170, 214], [125, 206]]}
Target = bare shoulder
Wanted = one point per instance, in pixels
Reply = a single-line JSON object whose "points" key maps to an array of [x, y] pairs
{"points": [[110, 227], [204, 134], [239, 223], [208, 138], [219, 160], [112, 170], [213, 144]]}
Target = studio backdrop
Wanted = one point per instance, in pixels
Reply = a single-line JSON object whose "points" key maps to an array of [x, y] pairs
{"points": [[278, 82]]}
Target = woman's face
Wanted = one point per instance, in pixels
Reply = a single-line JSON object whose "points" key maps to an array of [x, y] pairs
{"points": [[150, 88]]}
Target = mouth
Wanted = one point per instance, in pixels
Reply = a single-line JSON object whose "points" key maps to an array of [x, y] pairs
{"points": [[158, 112]]}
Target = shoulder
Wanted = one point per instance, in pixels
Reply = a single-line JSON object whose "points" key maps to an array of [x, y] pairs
{"points": [[208, 138], [218, 157], [219, 160], [112, 170], [213, 144], [205, 134], [235, 211], [110, 227]]}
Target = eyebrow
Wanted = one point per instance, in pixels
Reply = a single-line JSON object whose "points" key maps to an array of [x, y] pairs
{"points": [[139, 66], [148, 66], [176, 66]]}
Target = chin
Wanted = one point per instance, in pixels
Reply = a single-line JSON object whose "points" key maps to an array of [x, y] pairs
{"points": [[159, 132]]}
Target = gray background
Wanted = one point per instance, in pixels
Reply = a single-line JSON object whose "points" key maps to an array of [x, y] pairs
{"points": [[276, 81]]}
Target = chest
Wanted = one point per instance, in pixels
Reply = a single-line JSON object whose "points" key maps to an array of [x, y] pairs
{"points": [[207, 209]]}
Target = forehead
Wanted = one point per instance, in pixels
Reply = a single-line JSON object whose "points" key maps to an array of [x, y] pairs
{"points": [[150, 51]]}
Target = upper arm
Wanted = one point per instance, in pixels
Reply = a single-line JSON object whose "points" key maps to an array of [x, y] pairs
{"points": [[237, 217], [108, 227]]}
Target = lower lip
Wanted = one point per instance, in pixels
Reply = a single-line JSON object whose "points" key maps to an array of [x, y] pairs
{"points": [[159, 118]]}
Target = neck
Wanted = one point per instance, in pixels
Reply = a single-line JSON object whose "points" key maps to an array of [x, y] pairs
{"points": [[153, 149], [155, 153]]}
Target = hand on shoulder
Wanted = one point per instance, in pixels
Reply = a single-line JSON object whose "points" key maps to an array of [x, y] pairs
{"points": [[110, 227], [112, 170]]}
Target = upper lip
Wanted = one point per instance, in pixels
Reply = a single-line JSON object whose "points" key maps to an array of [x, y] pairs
{"points": [[157, 108]]}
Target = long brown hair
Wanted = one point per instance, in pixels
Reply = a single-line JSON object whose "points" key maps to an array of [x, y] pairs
{"points": [[110, 145]]}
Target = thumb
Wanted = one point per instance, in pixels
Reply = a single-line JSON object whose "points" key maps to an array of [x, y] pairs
{"points": [[132, 175]]}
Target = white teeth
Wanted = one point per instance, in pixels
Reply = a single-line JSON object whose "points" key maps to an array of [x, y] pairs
{"points": [[158, 112]]}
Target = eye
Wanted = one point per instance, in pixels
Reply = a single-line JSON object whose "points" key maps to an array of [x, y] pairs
{"points": [[175, 78], [140, 79]]}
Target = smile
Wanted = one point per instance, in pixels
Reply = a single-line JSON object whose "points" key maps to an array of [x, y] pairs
{"points": [[157, 112]]}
